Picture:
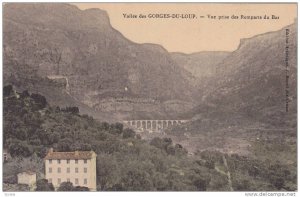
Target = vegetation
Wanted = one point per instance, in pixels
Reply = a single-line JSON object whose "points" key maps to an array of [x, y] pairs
{"points": [[43, 185], [248, 174], [68, 186], [125, 162]]}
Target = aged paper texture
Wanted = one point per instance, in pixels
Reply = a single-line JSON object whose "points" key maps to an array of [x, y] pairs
{"points": [[149, 97]]}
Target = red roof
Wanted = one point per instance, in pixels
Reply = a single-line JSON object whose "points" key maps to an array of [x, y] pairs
{"points": [[70, 155]]}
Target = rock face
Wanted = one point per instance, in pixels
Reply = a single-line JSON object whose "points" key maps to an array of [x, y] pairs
{"points": [[75, 57], [246, 100], [252, 79], [202, 65], [247, 97], [82, 47]]}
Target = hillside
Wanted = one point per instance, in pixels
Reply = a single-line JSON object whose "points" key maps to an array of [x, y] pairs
{"points": [[125, 162], [98, 62], [243, 108], [252, 80]]}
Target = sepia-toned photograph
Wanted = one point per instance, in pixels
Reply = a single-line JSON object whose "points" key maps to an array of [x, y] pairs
{"points": [[108, 97]]}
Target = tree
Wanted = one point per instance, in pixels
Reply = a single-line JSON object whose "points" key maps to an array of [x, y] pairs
{"points": [[128, 133], [40, 100], [57, 109], [170, 150], [56, 57], [19, 148], [81, 147], [7, 90], [73, 110], [80, 188], [253, 171], [117, 187], [167, 141], [116, 128], [53, 137], [24, 94], [22, 187], [43, 185], [137, 180], [66, 186], [64, 145], [210, 163], [119, 127], [200, 184], [157, 142], [104, 126], [138, 136], [243, 185], [107, 172], [41, 152], [10, 179], [179, 150], [278, 183]]}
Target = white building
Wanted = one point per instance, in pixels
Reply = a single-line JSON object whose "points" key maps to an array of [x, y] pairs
{"points": [[78, 167], [28, 178]]}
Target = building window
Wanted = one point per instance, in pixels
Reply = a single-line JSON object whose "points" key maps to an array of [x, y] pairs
{"points": [[76, 181], [50, 170], [58, 170], [50, 161], [85, 161], [85, 181], [76, 170], [76, 160], [58, 181], [68, 160], [85, 170], [49, 180], [68, 170], [58, 161], [68, 180]]}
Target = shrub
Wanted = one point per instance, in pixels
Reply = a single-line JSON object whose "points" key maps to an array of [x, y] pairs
{"points": [[19, 148], [66, 186], [80, 188], [43, 185], [10, 179], [7, 90], [128, 133], [39, 100]]}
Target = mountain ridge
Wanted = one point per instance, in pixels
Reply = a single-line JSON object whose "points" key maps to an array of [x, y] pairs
{"points": [[97, 59]]}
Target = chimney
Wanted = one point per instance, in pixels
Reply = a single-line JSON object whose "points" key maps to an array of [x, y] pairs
{"points": [[51, 150], [76, 153]]}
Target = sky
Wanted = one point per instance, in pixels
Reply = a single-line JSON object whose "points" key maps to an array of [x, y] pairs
{"points": [[195, 35]]}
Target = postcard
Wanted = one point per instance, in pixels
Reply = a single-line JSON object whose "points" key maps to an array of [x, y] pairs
{"points": [[149, 97]]}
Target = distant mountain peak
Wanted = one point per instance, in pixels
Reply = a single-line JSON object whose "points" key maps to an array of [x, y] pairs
{"points": [[263, 36], [56, 15]]}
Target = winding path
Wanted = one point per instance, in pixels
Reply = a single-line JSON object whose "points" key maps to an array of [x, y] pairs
{"points": [[228, 173]]}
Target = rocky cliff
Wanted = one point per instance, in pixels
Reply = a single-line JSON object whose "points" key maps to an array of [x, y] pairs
{"points": [[82, 47]]}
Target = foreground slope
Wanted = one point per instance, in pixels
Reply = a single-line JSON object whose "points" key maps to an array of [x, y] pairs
{"points": [[125, 162]]}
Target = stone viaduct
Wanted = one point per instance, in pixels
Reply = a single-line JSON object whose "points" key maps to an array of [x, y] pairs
{"points": [[153, 125]]}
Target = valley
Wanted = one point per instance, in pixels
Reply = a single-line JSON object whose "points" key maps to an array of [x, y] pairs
{"points": [[208, 117]]}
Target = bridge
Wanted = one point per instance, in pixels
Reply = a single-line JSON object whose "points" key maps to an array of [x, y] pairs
{"points": [[153, 125]]}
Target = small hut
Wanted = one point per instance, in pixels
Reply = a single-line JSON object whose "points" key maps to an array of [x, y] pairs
{"points": [[27, 177]]}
